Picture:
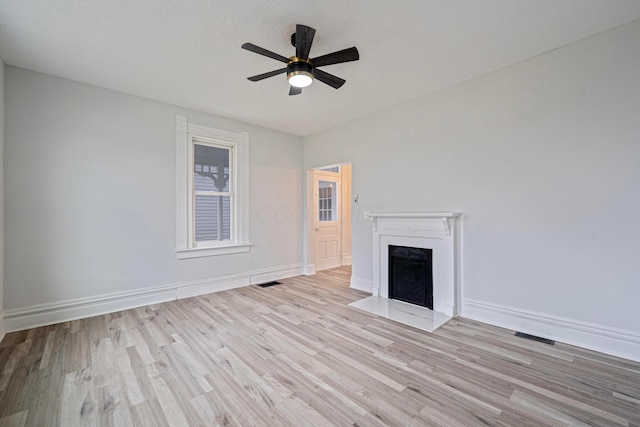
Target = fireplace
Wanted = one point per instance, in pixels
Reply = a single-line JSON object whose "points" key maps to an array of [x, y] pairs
{"points": [[436, 232], [411, 275], [416, 268]]}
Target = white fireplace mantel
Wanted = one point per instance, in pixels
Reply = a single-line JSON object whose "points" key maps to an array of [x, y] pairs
{"points": [[429, 230], [411, 214], [443, 216]]}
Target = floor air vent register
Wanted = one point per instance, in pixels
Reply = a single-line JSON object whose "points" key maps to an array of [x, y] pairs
{"points": [[266, 285], [535, 338]]}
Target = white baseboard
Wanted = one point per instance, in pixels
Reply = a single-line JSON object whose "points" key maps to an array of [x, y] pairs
{"points": [[18, 319], [360, 284], [271, 274], [613, 341], [309, 269], [347, 260], [210, 285]]}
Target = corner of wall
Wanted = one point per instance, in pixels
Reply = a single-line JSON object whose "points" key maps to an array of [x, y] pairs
{"points": [[3, 331], [361, 284], [2, 328], [307, 250]]}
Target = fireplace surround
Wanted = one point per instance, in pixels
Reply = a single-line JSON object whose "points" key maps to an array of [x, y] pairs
{"points": [[435, 231]]}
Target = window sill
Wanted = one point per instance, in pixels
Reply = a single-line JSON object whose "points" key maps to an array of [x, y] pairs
{"points": [[213, 251]]}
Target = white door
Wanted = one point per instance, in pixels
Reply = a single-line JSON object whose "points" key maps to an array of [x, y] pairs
{"points": [[327, 220]]}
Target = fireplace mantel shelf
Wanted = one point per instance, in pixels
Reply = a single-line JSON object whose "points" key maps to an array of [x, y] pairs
{"points": [[444, 216], [372, 215]]}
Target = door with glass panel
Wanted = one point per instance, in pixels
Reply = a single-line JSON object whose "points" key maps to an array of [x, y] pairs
{"points": [[327, 220]]}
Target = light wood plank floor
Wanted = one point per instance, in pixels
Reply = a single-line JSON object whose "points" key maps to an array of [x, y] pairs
{"points": [[295, 354]]}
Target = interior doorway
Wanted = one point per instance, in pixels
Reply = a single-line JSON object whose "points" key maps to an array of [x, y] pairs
{"points": [[330, 224]]}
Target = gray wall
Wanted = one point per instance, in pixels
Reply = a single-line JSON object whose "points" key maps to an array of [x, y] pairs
{"points": [[90, 193], [541, 157]]}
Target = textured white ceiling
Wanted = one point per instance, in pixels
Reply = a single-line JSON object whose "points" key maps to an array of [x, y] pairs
{"points": [[187, 52]]}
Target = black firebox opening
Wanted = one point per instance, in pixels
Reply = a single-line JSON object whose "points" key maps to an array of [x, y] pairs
{"points": [[411, 275]]}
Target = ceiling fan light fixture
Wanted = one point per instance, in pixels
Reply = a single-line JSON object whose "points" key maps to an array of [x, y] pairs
{"points": [[300, 74], [300, 78]]}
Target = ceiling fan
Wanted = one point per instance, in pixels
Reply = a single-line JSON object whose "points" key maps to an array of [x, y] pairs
{"points": [[300, 69]]}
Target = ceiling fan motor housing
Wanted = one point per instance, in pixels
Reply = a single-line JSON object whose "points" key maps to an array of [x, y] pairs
{"points": [[299, 66]]}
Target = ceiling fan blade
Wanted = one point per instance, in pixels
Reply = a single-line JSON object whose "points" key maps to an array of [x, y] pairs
{"points": [[267, 75], [295, 90], [304, 38], [330, 79], [261, 51], [345, 55]]}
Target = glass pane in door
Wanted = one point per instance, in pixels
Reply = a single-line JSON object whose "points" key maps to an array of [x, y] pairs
{"points": [[327, 201]]}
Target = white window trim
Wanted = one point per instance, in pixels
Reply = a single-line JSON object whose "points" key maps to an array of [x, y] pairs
{"points": [[186, 133]]}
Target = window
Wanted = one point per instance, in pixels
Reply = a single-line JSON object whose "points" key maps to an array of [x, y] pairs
{"points": [[213, 192], [335, 169], [212, 178]]}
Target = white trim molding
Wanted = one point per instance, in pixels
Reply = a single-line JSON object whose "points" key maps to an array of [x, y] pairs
{"points": [[18, 319], [272, 274], [365, 285], [309, 269], [188, 134], [213, 250], [613, 341], [444, 217], [34, 316]]}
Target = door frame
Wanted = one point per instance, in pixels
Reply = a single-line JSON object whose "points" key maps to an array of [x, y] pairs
{"points": [[346, 217]]}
